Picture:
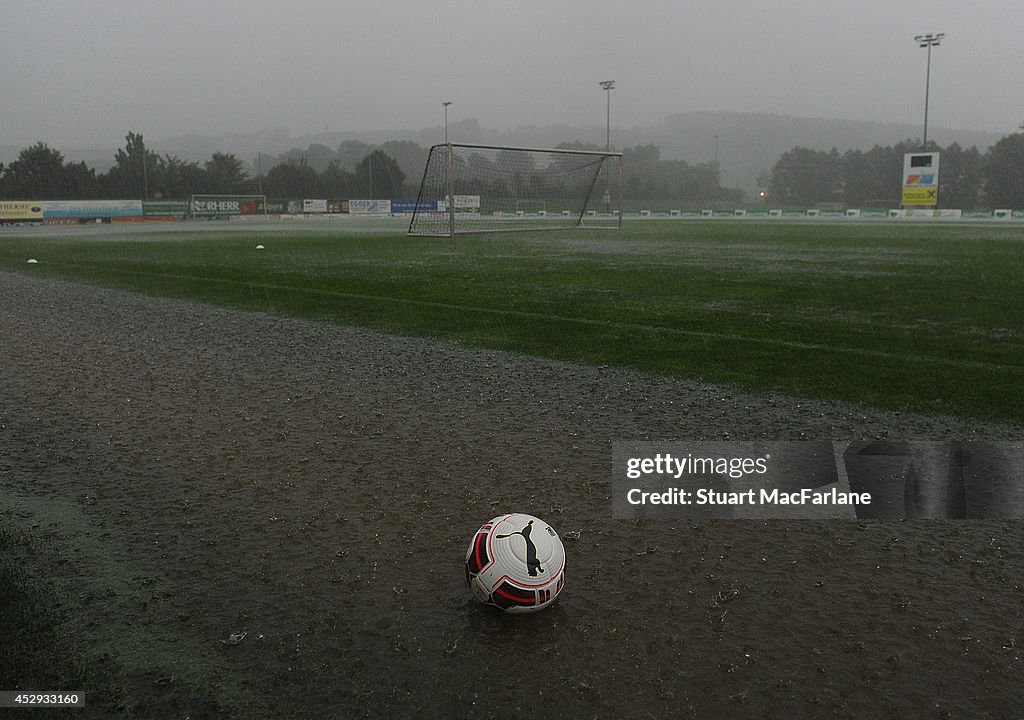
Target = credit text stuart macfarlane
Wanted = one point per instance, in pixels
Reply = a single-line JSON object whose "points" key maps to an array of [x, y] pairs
{"points": [[733, 479], [762, 497]]}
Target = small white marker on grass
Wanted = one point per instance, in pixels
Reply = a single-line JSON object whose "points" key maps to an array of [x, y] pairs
{"points": [[33, 261], [260, 247]]}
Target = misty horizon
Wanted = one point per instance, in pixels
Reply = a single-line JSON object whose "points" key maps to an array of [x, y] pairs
{"points": [[83, 76], [746, 144]]}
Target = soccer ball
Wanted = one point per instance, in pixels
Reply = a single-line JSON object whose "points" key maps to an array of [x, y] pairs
{"points": [[517, 563]]}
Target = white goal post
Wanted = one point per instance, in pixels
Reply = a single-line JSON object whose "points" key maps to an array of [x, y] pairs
{"points": [[491, 188]]}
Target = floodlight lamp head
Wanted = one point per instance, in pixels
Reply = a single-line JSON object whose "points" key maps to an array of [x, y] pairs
{"points": [[929, 39], [607, 84]]}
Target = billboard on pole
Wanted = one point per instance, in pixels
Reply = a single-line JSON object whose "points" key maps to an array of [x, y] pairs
{"points": [[920, 179]]}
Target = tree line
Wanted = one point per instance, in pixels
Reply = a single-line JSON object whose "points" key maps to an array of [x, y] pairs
{"points": [[354, 169], [647, 176], [801, 177], [41, 173], [648, 179], [968, 179]]}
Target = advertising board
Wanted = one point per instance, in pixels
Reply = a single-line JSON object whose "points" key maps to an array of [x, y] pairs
{"points": [[920, 179], [91, 209], [221, 205], [369, 207], [168, 208], [21, 210], [409, 206]]}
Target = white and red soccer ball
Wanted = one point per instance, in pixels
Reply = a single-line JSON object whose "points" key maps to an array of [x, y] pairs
{"points": [[516, 562]]}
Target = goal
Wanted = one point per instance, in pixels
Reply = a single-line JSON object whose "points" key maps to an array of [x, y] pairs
{"points": [[489, 188]]}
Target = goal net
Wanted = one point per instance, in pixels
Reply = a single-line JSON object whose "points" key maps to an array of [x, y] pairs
{"points": [[486, 188]]}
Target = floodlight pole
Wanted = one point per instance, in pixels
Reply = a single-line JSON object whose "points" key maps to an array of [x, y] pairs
{"points": [[927, 41], [448, 172], [446, 103], [608, 86]]}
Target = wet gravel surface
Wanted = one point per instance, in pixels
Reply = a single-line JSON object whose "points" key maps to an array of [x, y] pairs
{"points": [[274, 513]]}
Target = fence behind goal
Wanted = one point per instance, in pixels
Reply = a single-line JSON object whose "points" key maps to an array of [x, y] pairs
{"points": [[487, 188]]}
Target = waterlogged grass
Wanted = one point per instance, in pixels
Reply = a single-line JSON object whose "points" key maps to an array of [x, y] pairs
{"points": [[925, 317], [69, 617]]}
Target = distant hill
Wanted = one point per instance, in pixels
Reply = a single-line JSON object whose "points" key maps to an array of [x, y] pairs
{"points": [[752, 143], [748, 143]]}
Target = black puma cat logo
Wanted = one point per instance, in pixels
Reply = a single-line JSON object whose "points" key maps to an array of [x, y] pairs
{"points": [[533, 565]]}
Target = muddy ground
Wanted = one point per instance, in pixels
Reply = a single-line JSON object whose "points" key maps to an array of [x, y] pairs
{"points": [[246, 515]]}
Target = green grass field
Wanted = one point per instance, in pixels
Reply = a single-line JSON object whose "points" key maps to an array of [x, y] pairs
{"points": [[924, 317]]}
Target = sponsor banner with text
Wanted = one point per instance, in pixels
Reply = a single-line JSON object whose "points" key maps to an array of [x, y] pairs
{"points": [[369, 207], [163, 208], [407, 207], [21, 210], [92, 209]]}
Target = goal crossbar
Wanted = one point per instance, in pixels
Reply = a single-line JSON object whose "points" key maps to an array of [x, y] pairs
{"points": [[554, 151]]}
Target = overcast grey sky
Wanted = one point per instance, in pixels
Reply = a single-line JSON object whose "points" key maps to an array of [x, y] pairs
{"points": [[85, 73]]}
